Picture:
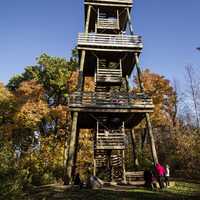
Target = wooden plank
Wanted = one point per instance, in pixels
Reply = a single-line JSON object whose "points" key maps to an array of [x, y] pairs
{"points": [[137, 49], [96, 39], [108, 23]]}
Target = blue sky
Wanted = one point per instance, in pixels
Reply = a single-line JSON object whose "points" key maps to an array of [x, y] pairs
{"points": [[170, 30]]}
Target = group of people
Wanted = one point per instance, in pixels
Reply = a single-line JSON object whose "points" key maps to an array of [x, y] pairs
{"points": [[92, 182], [159, 174]]}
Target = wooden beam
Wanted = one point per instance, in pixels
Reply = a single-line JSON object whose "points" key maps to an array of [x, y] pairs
{"points": [[124, 167], [152, 141], [71, 154], [111, 49], [81, 78], [148, 121], [109, 5], [134, 148], [87, 24], [129, 21]]}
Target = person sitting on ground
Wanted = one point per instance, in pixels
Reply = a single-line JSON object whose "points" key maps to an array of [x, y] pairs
{"points": [[95, 182]]}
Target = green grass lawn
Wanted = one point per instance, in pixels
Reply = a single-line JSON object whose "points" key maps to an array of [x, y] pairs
{"points": [[181, 191]]}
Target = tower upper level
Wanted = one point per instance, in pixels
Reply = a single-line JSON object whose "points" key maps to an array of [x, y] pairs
{"points": [[107, 15]]}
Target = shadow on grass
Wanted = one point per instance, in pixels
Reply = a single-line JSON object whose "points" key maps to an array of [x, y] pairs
{"points": [[67, 193]]}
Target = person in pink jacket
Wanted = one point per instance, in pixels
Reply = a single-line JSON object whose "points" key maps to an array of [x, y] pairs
{"points": [[160, 171]]}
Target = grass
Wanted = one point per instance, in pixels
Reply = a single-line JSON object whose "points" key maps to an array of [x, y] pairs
{"points": [[182, 191]]}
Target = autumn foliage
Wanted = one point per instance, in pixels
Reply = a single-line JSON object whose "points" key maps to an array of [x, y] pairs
{"points": [[35, 124]]}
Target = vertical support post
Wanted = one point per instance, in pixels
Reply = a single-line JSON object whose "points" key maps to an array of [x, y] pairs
{"points": [[71, 155], [152, 141], [95, 166], [88, 19], [75, 153], [148, 122], [94, 159], [124, 167], [129, 21], [109, 166], [127, 84], [133, 139], [118, 25], [120, 64], [82, 62], [98, 14]]}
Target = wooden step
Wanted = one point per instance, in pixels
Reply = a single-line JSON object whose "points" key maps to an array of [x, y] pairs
{"points": [[133, 177]]}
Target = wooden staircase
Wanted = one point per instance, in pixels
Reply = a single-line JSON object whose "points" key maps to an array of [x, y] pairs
{"points": [[110, 139], [135, 178], [117, 168], [108, 72]]}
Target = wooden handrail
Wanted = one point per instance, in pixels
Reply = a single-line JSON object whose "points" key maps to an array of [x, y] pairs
{"points": [[109, 99], [110, 40]]}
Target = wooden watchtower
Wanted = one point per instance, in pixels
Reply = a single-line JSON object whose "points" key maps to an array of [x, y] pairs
{"points": [[109, 52]]}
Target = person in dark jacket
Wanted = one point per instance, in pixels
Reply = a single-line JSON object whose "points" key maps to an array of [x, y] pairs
{"points": [[77, 180], [148, 178]]}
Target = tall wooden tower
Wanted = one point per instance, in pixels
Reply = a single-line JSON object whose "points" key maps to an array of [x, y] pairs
{"points": [[109, 52]]}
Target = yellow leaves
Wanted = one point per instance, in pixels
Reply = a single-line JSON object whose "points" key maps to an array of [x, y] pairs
{"points": [[85, 153], [5, 95], [31, 107], [31, 113], [187, 150], [73, 81], [60, 113], [89, 85]]}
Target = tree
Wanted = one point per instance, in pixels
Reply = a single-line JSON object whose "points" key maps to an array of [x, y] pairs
{"points": [[193, 93], [7, 108], [42, 97], [164, 97], [31, 107]]}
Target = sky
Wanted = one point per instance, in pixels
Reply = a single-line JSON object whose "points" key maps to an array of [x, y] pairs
{"points": [[28, 28]]}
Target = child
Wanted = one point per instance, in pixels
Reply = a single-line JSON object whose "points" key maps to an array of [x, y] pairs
{"points": [[167, 174]]}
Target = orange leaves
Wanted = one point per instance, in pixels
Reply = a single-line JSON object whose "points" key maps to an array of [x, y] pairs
{"points": [[73, 81], [7, 105], [30, 90], [31, 107], [31, 113], [163, 95], [89, 85]]}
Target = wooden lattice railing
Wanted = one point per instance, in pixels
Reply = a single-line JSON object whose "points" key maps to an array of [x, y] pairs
{"points": [[110, 100], [110, 40], [109, 75], [107, 23], [110, 140]]}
